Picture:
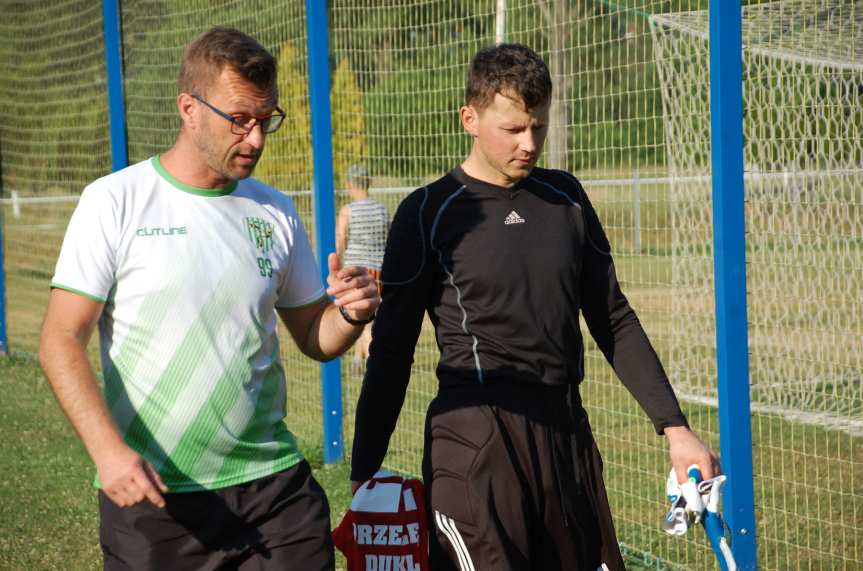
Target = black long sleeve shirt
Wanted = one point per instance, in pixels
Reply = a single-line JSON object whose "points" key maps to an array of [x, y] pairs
{"points": [[503, 274]]}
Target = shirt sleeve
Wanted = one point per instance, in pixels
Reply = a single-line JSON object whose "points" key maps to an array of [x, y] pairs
{"points": [[406, 278], [87, 261], [618, 332], [301, 283]]}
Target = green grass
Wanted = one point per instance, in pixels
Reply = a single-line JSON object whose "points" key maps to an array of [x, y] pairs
{"points": [[797, 337], [48, 509], [808, 490], [808, 493], [803, 473]]}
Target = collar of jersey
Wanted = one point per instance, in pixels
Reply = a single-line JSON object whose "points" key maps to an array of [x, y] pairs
{"points": [[157, 164], [477, 185]]}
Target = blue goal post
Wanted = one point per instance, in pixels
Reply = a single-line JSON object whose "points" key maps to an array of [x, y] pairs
{"points": [[317, 32], [732, 345], [4, 338], [114, 72]]}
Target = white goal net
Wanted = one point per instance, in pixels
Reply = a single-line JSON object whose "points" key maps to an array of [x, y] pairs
{"points": [[803, 152]]}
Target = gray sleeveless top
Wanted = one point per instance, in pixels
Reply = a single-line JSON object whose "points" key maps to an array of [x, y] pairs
{"points": [[367, 234]]}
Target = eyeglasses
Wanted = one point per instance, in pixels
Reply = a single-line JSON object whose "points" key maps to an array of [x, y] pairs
{"points": [[242, 123]]}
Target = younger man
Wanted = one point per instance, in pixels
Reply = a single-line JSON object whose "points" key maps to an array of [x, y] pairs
{"points": [[504, 256]]}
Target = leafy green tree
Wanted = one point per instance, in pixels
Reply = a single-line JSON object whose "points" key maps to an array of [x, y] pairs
{"points": [[53, 104], [414, 128], [348, 122], [410, 63], [287, 160]]}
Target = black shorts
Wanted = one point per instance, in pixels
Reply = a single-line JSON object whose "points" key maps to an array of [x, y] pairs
{"points": [[278, 522], [514, 481]]}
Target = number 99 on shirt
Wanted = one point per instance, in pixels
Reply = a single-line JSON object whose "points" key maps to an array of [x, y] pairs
{"points": [[265, 267]]}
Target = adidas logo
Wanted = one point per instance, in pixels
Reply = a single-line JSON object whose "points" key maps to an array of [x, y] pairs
{"points": [[513, 218]]}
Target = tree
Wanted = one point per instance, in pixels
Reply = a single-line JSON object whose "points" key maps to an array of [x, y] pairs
{"points": [[558, 16], [348, 122], [287, 160]]}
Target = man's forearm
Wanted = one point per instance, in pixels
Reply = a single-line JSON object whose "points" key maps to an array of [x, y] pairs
{"points": [[381, 399], [64, 361], [332, 335], [320, 330]]}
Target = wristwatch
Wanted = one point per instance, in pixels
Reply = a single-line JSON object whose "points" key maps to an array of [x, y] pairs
{"points": [[353, 321]]}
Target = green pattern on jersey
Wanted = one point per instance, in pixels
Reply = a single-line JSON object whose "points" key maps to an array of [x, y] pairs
{"points": [[260, 449], [197, 438], [150, 315], [248, 450], [177, 374]]}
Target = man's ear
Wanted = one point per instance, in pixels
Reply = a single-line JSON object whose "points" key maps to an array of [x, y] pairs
{"points": [[469, 119], [187, 108]]}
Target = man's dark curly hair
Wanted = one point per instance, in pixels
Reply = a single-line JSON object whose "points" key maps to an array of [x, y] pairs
{"points": [[511, 70]]}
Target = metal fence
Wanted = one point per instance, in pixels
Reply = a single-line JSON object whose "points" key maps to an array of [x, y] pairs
{"points": [[630, 118]]}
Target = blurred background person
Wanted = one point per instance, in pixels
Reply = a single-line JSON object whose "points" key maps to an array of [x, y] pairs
{"points": [[361, 233]]}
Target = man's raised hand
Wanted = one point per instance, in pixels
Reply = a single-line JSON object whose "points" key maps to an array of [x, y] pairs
{"points": [[352, 288]]}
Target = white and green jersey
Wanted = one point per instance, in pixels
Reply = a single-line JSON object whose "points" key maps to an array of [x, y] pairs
{"points": [[190, 278]]}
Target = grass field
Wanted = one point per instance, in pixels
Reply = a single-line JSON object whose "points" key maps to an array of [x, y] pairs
{"points": [[809, 497], [805, 351], [48, 510], [808, 486]]}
